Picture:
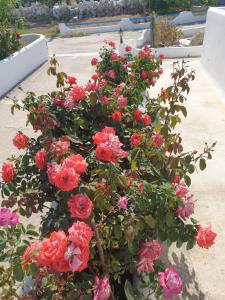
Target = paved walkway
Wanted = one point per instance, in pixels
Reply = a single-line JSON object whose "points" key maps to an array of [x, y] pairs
{"points": [[204, 270]]}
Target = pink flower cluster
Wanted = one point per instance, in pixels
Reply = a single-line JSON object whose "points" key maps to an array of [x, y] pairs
{"points": [[108, 145], [171, 282], [8, 218], [187, 208], [148, 252], [62, 253]]}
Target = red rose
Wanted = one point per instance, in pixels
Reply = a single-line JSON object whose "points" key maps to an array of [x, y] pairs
{"points": [[71, 80], [80, 234], [20, 140], [31, 253], [94, 61], [117, 116], [146, 119], [162, 56], [66, 179], [59, 148], [77, 93], [128, 48], [136, 139], [99, 137], [80, 206], [113, 56], [52, 250], [152, 81], [205, 237], [40, 159], [7, 172], [105, 100], [144, 74], [104, 152], [77, 162], [137, 114]]}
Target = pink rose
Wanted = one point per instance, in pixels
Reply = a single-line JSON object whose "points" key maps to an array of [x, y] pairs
{"points": [[80, 206], [188, 208], [205, 237], [145, 265], [171, 282], [122, 101], [151, 250], [8, 218], [102, 289], [123, 202], [157, 140]]}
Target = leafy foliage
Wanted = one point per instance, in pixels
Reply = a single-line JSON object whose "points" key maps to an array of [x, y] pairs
{"points": [[143, 175]]}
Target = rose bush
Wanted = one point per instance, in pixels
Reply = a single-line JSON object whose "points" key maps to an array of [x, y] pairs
{"points": [[109, 176]]}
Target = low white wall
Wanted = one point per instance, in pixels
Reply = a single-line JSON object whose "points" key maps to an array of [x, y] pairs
{"points": [[187, 17], [213, 52], [124, 24], [169, 52], [23, 62], [145, 38]]}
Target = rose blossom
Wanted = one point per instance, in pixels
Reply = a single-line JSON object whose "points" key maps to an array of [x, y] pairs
{"points": [[117, 116], [94, 61], [136, 139], [122, 101], [171, 282], [113, 56], [71, 80], [128, 48], [153, 80], [162, 56], [160, 71], [80, 206], [77, 162], [205, 237], [80, 234], [105, 100], [144, 74], [157, 140], [123, 202], [104, 152], [102, 289], [31, 253], [188, 208], [7, 172], [41, 159], [77, 93], [145, 265], [52, 251], [8, 218], [146, 119], [20, 140], [66, 179], [151, 250], [60, 147], [137, 114], [111, 74], [77, 257]]}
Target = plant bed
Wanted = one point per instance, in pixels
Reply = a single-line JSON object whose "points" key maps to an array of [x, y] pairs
{"points": [[23, 62], [110, 178]]}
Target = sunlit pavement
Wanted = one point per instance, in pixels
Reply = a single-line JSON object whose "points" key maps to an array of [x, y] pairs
{"points": [[202, 270]]}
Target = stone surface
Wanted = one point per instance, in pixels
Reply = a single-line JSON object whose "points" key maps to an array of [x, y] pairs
{"points": [[197, 39], [202, 270]]}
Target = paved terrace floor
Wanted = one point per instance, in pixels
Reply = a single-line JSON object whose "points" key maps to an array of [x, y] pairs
{"points": [[203, 270]]}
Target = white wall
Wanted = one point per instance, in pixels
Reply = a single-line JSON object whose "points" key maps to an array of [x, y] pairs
{"points": [[187, 17], [213, 54], [124, 24], [16, 67]]}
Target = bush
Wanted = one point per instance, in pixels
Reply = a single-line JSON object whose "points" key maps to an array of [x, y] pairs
{"points": [[109, 176], [9, 41], [166, 34]]}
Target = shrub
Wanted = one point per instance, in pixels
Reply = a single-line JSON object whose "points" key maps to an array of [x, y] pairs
{"points": [[9, 41], [109, 176], [166, 34]]}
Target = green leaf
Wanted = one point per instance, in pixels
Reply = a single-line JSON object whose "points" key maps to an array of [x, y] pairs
{"points": [[32, 233], [202, 164], [18, 273], [34, 270], [150, 221], [129, 291]]}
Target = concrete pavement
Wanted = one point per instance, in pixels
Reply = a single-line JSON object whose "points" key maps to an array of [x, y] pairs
{"points": [[203, 270]]}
